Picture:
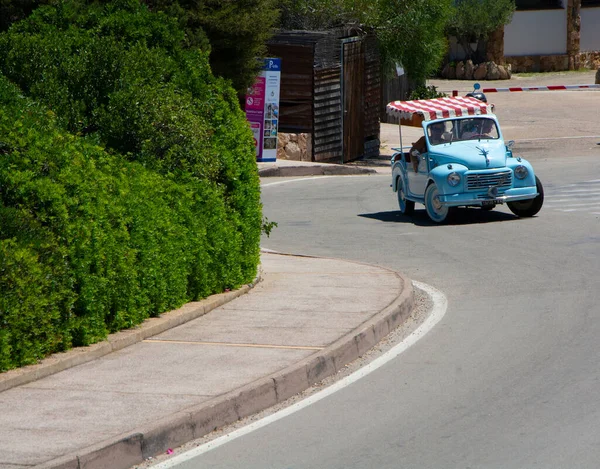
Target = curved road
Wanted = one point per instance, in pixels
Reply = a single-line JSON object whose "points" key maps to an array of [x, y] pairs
{"points": [[508, 378]]}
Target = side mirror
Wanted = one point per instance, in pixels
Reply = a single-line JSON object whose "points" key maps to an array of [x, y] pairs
{"points": [[510, 144]]}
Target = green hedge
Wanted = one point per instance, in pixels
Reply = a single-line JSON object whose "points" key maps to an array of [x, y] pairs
{"points": [[119, 72], [130, 189], [90, 243]]}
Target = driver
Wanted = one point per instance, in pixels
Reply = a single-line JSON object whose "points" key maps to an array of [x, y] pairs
{"points": [[436, 136]]}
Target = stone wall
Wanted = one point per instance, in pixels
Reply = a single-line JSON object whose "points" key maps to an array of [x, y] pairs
{"points": [[538, 63], [295, 147], [552, 63], [483, 71], [590, 60]]}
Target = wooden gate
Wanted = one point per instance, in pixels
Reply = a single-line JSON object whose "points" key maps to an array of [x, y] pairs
{"points": [[330, 90], [353, 69]]}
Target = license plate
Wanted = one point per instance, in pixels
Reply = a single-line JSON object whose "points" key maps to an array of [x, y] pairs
{"points": [[492, 202]]}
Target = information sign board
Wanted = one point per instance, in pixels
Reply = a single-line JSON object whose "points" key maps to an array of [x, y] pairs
{"points": [[262, 110]]}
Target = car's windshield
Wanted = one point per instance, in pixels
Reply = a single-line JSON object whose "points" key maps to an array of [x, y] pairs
{"points": [[462, 129], [474, 129]]}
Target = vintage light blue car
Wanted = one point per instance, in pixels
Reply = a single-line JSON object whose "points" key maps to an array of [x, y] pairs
{"points": [[463, 161]]}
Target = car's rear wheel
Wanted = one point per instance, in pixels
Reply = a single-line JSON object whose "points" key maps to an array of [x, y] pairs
{"points": [[407, 207], [528, 208], [436, 211]]}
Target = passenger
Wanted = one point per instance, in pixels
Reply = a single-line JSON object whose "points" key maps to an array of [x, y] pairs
{"points": [[436, 136], [487, 129]]}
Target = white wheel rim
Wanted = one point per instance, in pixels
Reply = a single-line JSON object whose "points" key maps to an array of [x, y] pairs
{"points": [[435, 207]]}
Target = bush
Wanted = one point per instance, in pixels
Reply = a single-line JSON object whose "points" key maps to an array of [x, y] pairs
{"points": [[118, 72], [91, 243], [426, 92], [236, 33], [131, 189]]}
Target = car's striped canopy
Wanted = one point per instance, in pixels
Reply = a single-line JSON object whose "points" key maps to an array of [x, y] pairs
{"points": [[414, 112]]}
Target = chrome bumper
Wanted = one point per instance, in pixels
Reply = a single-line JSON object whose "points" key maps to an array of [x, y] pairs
{"points": [[479, 199]]}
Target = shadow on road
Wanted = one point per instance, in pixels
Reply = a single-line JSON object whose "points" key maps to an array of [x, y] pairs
{"points": [[464, 216]]}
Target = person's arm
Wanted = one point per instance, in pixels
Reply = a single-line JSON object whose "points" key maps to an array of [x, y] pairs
{"points": [[421, 146]]}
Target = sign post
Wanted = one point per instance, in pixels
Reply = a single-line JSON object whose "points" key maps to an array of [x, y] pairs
{"points": [[262, 110]]}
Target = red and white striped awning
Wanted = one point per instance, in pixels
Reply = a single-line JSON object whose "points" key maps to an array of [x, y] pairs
{"points": [[438, 108]]}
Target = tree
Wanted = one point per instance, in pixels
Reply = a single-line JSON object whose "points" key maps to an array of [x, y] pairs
{"points": [[15, 10], [474, 20], [409, 32], [235, 30], [315, 15]]}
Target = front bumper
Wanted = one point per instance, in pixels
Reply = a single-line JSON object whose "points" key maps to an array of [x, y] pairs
{"points": [[480, 198]]}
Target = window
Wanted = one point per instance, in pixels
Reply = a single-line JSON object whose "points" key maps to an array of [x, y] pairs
{"points": [[523, 5]]}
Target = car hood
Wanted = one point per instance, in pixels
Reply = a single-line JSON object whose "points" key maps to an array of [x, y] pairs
{"points": [[474, 154]]}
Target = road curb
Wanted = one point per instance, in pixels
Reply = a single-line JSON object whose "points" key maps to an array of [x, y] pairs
{"points": [[313, 170], [119, 340], [135, 447]]}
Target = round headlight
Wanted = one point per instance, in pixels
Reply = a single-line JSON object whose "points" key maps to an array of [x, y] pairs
{"points": [[521, 172], [453, 179]]}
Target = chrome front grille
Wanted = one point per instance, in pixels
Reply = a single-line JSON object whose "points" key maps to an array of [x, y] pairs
{"points": [[477, 181]]}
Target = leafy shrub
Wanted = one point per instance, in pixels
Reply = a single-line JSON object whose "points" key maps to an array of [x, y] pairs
{"points": [[237, 33], [119, 73], [91, 243], [426, 92], [131, 189]]}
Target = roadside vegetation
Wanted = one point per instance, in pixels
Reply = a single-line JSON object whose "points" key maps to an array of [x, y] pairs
{"points": [[127, 172], [410, 33], [128, 180], [473, 21]]}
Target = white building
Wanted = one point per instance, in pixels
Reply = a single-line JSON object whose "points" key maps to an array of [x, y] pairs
{"points": [[542, 36], [547, 39]]}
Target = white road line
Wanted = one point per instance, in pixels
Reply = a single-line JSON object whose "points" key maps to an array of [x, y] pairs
{"points": [[554, 203], [578, 184], [560, 193], [440, 305], [303, 178], [570, 199], [296, 180], [553, 138], [571, 210]]}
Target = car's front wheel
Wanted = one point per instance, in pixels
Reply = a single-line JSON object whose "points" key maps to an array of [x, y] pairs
{"points": [[407, 207], [437, 212], [528, 208]]}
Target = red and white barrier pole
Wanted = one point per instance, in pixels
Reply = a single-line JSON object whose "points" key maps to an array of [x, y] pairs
{"points": [[541, 88]]}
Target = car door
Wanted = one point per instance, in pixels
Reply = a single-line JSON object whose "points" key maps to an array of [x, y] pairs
{"points": [[418, 180]]}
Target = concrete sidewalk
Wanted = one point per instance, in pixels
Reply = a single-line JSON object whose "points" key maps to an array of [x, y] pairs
{"points": [[294, 168], [144, 391]]}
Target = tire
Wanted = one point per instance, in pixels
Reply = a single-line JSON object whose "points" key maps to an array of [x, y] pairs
{"points": [[528, 208], [437, 212], [407, 207]]}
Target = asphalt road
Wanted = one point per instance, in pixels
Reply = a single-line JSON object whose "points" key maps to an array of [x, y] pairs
{"points": [[508, 378], [510, 375]]}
